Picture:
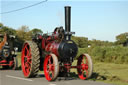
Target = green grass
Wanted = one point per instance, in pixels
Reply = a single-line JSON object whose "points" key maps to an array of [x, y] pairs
{"points": [[114, 73], [119, 70], [19, 58], [116, 82]]}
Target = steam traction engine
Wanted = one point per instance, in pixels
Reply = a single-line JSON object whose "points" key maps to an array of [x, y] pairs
{"points": [[54, 54], [8, 55]]}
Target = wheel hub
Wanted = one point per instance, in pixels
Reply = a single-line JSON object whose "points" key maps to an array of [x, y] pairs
{"points": [[84, 66], [51, 67], [25, 59]]}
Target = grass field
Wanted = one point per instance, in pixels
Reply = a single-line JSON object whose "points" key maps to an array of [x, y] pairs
{"points": [[104, 72], [113, 73]]}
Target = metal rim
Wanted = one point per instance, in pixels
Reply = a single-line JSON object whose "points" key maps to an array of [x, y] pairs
{"points": [[49, 67], [82, 67], [26, 60]]}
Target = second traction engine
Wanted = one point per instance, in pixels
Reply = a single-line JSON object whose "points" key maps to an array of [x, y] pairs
{"points": [[54, 53]]}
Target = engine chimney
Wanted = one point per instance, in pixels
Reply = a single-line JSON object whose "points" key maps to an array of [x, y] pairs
{"points": [[67, 22], [67, 18]]}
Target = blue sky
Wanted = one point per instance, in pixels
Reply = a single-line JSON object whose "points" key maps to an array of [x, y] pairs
{"points": [[95, 19]]}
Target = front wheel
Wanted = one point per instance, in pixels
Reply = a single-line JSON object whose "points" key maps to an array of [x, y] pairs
{"points": [[85, 66], [51, 67]]}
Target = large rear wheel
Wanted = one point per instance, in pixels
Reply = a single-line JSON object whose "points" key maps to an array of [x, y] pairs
{"points": [[30, 59], [51, 67], [85, 66]]}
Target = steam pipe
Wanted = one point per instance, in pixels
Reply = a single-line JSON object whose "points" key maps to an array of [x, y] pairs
{"points": [[67, 22]]}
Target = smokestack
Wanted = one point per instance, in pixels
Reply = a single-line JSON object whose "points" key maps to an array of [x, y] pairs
{"points": [[67, 18], [67, 21]]}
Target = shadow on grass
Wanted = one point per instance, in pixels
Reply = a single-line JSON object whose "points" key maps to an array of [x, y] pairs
{"points": [[73, 76], [95, 76], [19, 68]]}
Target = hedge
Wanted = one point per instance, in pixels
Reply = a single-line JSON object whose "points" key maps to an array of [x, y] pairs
{"points": [[113, 54]]}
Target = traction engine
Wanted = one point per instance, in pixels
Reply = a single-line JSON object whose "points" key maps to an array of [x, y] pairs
{"points": [[54, 53], [8, 54]]}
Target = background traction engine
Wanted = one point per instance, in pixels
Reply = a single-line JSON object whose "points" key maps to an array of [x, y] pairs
{"points": [[54, 54], [8, 55]]}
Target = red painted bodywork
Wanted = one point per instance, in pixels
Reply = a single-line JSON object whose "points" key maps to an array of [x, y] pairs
{"points": [[50, 45], [5, 63]]}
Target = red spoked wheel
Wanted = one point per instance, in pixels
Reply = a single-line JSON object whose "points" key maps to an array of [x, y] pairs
{"points": [[85, 66], [30, 59], [26, 60], [51, 67]]}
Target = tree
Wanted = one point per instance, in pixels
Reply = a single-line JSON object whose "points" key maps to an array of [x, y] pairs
{"points": [[36, 31], [23, 33], [95, 42], [8, 30], [82, 42], [122, 38], [1, 25]]}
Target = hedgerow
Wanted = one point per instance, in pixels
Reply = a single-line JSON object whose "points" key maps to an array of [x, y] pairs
{"points": [[113, 54]]}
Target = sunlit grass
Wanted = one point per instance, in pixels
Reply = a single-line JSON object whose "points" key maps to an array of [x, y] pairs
{"points": [[19, 58]]}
